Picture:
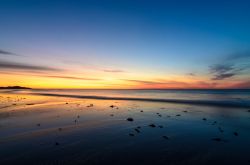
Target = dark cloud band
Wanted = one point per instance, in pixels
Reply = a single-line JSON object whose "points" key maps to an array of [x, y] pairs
{"points": [[19, 66], [113, 70], [7, 53]]}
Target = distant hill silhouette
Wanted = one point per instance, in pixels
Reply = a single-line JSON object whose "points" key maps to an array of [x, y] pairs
{"points": [[14, 87]]}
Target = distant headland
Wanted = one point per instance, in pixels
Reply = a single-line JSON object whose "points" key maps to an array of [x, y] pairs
{"points": [[14, 87]]}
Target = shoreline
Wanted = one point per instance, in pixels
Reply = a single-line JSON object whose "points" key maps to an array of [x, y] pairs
{"points": [[225, 103]]}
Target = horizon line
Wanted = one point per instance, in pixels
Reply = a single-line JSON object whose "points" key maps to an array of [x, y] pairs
{"points": [[131, 88]]}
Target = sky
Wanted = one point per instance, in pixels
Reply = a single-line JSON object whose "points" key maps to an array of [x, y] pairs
{"points": [[125, 44]]}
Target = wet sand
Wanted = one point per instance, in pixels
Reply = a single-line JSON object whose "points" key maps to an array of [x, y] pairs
{"points": [[63, 130]]}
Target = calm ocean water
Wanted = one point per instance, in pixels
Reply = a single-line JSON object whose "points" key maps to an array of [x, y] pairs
{"points": [[238, 97]]}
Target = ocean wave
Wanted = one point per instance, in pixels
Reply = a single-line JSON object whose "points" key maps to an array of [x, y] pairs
{"points": [[223, 103]]}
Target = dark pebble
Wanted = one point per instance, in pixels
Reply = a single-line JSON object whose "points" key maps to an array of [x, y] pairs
{"points": [[57, 144], [236, 134], [38, 124], [66, 103], [130, 119], [138, 127], [112, 115], [165, 137], [204, 119], [185, 111], [78, 116], [178, 115], [60, 129], [220, 129], [131, 134], [160, 126], [217, 139], [141, 111], [90, 105], [151, 125], [111, 106], [137, 130]]}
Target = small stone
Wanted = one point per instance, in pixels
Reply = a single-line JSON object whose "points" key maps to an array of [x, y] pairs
{"points": [[160, 126], [178, 115], [137, 130], [220, 129], [112, 115], [138, 127], [56, 143], [90, 105], [130, 119], [236, 134], [217, 139], [60, 129], [38, 124], [141, 111], [78, 116], [66, 103], [165, 137], [152, 125], [204, 119], [112, 106], [131, 134], [185, 111]]}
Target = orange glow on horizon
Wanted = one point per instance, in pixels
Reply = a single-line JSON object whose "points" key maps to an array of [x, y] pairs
{"points": [[71, 82]]}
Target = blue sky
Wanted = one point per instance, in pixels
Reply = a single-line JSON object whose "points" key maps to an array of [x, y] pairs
{"points": [[160, 38]]}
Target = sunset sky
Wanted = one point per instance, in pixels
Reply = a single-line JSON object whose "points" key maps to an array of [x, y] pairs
{"points": [[125, 44]]}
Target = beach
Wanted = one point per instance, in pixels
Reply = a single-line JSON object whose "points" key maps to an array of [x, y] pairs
{"points": [[38, 128]]}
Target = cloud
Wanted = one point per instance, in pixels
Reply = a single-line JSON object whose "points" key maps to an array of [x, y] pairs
{"points": [[142, 81], [3, 52], [170, 84], [238, 56], [241, 85], [75, 78], [223, 71], [223, 76], [203, 84], [113, 70], [163, 82], [191, 74], [19, 66], [50, 76], [232, 65], [220, 68], [92, 67]]}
